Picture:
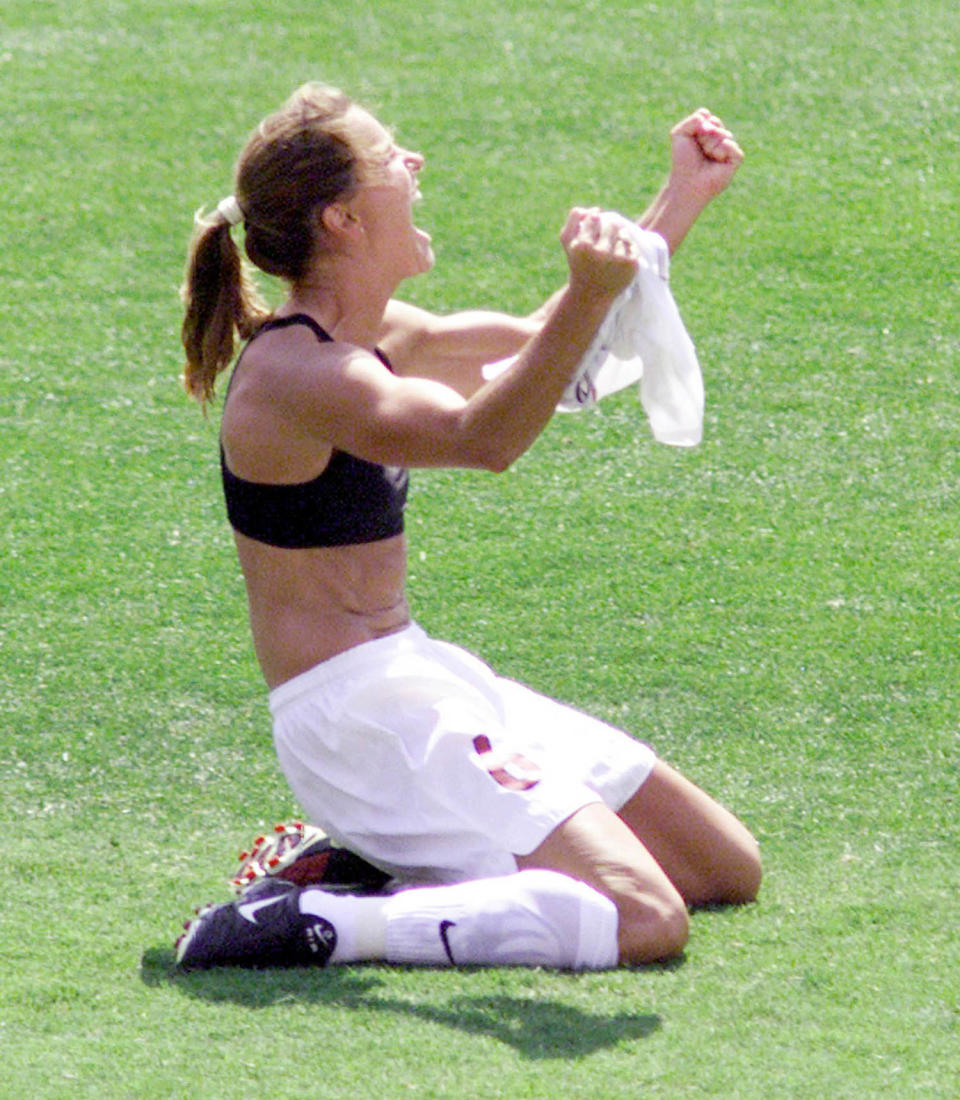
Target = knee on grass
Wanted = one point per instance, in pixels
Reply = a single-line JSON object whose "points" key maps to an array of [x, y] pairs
{"points": [[745, 885], [652, 928], [738, 881]]}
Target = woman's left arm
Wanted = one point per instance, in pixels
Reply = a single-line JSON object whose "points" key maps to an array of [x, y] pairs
{"points": [[454, 348], [704, 157]]}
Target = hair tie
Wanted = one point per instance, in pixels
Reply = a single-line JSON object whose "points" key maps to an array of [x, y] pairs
{"points": [[229, 210]]}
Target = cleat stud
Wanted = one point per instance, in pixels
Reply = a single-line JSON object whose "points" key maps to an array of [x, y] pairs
{"points": [[273, 862]]}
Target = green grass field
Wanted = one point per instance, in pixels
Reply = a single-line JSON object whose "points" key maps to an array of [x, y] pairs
{"points": [[777, 611]]}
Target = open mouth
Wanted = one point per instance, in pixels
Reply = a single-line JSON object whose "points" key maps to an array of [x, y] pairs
{"points": [[417, 198]]}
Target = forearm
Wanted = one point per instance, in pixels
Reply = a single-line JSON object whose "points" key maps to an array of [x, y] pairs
{"points": [[673, 212], [511, 411], [503, 417]]}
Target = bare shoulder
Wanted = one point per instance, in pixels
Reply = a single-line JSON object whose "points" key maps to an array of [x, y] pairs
{"points": [[291, 383], [404, 318], [279, 349], [404, 331], [284, 361]]}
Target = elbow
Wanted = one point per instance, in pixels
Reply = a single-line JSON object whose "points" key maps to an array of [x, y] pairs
{"points": [[498, 464], [492, 447], [496, 459], [489, 452]]}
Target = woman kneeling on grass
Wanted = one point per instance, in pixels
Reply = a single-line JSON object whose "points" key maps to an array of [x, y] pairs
{"points": [[537, 835]]}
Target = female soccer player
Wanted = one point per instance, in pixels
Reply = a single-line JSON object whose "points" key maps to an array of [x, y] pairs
{"points": [[537, 835]]}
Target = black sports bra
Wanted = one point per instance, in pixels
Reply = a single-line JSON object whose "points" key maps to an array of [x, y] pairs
{"points": [[352, 501]]}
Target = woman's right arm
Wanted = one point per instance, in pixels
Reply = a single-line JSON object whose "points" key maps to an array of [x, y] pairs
{"points": [[409, 421]]}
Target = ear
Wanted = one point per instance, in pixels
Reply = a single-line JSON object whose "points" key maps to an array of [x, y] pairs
{"points": [[338, 221]]}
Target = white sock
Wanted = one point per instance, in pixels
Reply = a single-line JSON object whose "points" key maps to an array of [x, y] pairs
{"points": [[531, 918], [359, 921]]}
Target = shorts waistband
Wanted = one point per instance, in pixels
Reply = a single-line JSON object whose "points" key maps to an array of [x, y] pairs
{"points": [[345, 664]]}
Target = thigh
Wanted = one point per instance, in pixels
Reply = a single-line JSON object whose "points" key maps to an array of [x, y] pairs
{"points": [[605, 759], [705, 851]]}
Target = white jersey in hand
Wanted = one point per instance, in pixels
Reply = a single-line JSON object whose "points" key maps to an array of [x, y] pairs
{"points": [[642, 340]]}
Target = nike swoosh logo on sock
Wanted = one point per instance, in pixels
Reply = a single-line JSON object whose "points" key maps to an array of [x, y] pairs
{"points": [[445, 926], [249, 909]]}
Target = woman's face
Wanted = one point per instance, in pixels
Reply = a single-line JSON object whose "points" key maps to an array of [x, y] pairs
{"points": [[388, 190]]}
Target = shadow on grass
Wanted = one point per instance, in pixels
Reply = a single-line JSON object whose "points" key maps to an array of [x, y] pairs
{"points": [[535, 1028]]}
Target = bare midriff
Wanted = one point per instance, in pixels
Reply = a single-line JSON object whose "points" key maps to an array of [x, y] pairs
{"points": [[309, 605]]}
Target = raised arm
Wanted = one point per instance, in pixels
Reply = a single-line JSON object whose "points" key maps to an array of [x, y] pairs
{"points": [[454, 348], [704, 157]]}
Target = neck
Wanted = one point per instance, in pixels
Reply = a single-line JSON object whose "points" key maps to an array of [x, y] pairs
{"points": [[349, 306]]}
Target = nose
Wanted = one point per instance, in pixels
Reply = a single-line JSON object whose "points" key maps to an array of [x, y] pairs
{"points": [[413, 161]]}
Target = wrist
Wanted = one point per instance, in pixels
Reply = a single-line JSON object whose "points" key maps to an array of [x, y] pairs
{"points": [[685, 196], [588, 302]]}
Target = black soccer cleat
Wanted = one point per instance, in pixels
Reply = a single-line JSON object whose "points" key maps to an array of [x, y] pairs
{"points": [[262, 928], [305, 855]]}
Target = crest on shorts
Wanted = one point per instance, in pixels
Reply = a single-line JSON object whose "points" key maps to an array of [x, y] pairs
{"points": [[513, 771]]}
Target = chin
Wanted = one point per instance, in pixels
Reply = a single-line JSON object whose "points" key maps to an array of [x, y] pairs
{"points": [[423, 263]]}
